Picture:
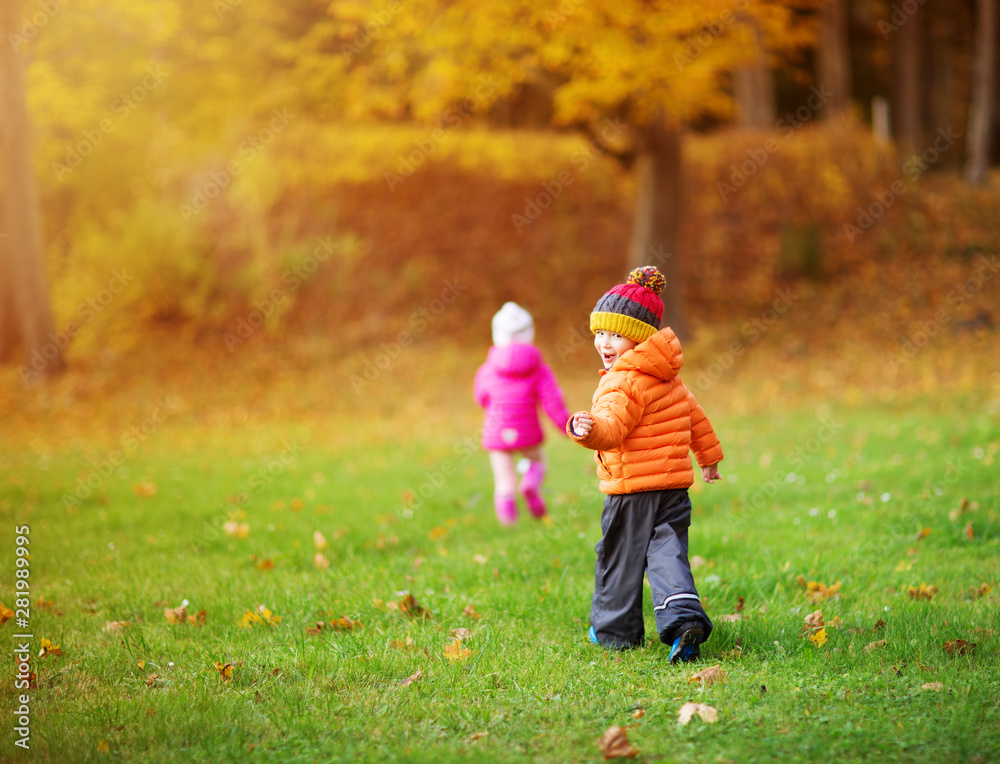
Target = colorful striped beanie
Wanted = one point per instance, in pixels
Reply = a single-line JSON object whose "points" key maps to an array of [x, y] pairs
{"points": [[633, 309]]}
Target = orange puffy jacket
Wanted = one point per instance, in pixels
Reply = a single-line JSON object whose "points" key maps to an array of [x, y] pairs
{"points": [[646, 422]]}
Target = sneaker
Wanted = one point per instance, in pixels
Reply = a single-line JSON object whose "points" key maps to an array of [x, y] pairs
{"points": [[593, 636], [685, 646]]}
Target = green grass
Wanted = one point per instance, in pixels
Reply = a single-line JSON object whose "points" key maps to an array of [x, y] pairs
{"points": [[532, 681]]}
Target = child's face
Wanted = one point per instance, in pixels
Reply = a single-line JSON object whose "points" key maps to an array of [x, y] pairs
{"points": [[610, 345]]}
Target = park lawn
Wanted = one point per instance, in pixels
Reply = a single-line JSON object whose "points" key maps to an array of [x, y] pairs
{"points": [[866, 501]]}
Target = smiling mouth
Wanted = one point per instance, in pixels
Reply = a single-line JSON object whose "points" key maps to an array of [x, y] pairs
{"points": [[609, 358]]}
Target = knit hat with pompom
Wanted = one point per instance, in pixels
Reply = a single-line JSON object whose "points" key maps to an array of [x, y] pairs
{"points": [[633, 309]]}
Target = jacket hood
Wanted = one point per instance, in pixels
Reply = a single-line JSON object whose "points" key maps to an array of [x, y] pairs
{"points": [[660, 356], [516, 360]]}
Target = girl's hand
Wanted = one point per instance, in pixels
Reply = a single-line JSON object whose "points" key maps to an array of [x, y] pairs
{"points": [[582, 423], [710, 474]]}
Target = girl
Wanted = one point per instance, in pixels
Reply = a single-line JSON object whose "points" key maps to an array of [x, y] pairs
{"points": [[510, 385]]}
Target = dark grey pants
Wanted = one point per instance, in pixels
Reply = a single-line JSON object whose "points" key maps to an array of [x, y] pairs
{"points": [[644, 533]]}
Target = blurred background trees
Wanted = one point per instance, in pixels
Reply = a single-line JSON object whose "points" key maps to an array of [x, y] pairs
{"points": [[533, 151]]}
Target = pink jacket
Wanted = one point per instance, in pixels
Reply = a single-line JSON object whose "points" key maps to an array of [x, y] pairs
{"points": [[510, 385]]}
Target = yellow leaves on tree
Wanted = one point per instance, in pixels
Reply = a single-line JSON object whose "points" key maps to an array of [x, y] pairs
{"points": [[614, 744], [455, 651], [259, 616]]}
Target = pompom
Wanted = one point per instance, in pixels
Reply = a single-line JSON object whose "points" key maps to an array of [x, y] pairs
{"points": [[649, 277]]}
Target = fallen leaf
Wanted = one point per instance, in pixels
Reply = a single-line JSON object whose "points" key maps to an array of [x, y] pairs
{"points": [[638, 713], [145, 488], [614, 744], [49, 648], [346, 624], [175, 614], [409, 606], [813, 622], [731, 617], [319, 541], [32, 685], [875, 645], [689, 710], [817, 591], [103, 747], [259, 616], [461, 633], [455, 651], [234, 529], [981, 591], [320, 561], [959, 511], [480, 559], [709, 676], [477, 736], [44, 603], [878, 625], [419, 675], [922, 592], [936, 686], [397, 644], [922, 534], [739, 604], [969, 533], [151, 680], [959, 647], [5, 614], [267, 564], [198, 620], [470, 612], [437, 532], [312, 631], [112, 627], [225, 670]]}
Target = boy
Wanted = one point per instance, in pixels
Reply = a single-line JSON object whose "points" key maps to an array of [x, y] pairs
{"points": [[642, 425]]}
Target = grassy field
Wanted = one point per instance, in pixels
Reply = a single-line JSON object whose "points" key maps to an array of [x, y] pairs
{"points": [[866, 501]]}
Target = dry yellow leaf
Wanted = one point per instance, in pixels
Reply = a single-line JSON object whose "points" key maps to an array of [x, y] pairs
{"points": [[936, 686], [225, 670], [813, 621], [412, 678], [175, 614], [818, 638], [455, 651], [480, 559], [705, 712], [969, 533], [875, 645], [959, 647], [470, 612], [103, 747], [709, 676], [922, 592], [145, 488], [614, 744], [461, 633], [112, 627], [235, 529], [319, 541], [320, 561], [5, 614], [638, 713], [731, 617], [49, 648], [345, 624]]}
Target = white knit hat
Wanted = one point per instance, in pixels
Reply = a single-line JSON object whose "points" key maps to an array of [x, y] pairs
{"points": [[512, 323]]}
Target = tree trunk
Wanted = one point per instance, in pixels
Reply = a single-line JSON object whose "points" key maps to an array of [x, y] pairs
{"points": [[983, 91], [834, 57], [22, 268], [753, 85], [908, 64], [656, 225]]}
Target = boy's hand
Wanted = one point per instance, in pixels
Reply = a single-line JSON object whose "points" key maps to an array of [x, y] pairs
{"points": [[582, 423], [711, 473]]}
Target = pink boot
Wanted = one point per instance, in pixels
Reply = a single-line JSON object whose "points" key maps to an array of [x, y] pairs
{"points": [[506, 509], [531, 488]]}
